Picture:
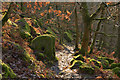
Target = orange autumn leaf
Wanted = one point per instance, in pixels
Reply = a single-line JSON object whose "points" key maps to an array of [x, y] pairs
{"points": [[55, 11], [98, 53], [84, 57], [87, 60], [108, 3], [59, 11], [44, 4], [27, 5], [62, 16], [42, 14], [38, 8], [36, 3], [58, 15], [111, 55], [30, 5], [92, 63], [98, 77], [49, 11], [45, 11], [40, 3], [17, 5], [35, 7], [47, 2], [88, 49], [34, 11], [24, 3], [68, 13], [101, 68], [46, 22], [50, 7], [66, 17]]}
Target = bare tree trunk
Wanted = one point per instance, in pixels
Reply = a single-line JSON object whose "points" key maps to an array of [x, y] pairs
{"points": [[77, 30]]}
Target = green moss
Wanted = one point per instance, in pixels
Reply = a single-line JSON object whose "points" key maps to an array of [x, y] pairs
{"points": [[24, 54], [105, 64], [0, 76], [105, 61], [24, 29], [106, 58], [95, 62], [71, 61], [116, 71], [113, 65], [85, 68], [49, 31], [76, 64], [68, 36], [7, 71], [79, 57], [44, 44]]}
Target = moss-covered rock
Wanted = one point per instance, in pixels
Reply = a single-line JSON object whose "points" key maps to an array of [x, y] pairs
{"points": [[44, 44], [23, 53], [116, 71], [113, 65], [106, 58], [105, 62], [76, 64], [7, 71], [79, 57], [24, 29], [85, 68], [68, 36]]}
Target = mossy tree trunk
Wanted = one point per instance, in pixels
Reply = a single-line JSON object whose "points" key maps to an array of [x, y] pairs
{"points": [[118, 41], [87, 26], [77, 30], [87, 21]]}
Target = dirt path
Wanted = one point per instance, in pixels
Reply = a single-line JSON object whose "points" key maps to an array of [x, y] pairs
{"points": [[61, 68]]}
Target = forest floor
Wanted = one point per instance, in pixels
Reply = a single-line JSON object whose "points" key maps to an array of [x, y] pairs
{"points": [[62, 66]]}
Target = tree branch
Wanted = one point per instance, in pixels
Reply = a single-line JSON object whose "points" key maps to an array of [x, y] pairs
{"points": [[114, 4], [100, 19], [102, 5]]}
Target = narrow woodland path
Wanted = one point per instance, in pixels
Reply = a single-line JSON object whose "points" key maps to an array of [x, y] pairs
{"points": [[61, 68]]}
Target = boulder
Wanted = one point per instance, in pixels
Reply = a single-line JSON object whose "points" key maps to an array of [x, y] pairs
{"points": [[24, 29], [44, 44], [85, 68], [23, 54], [68, 36]]}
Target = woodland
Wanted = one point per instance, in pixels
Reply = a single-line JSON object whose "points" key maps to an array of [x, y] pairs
{"points": [[60, 40]]}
